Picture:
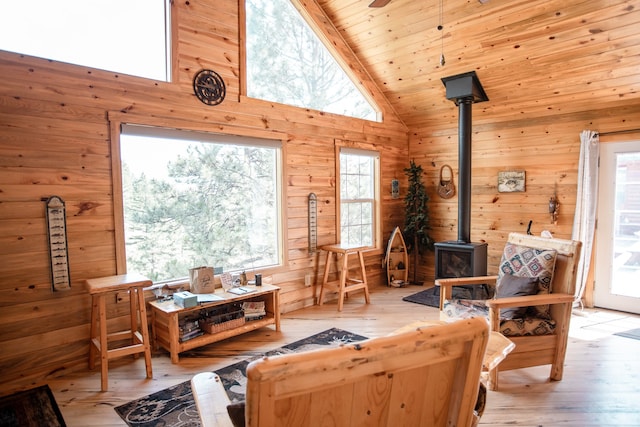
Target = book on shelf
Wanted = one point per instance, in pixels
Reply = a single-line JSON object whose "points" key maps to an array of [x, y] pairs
{"points": [[254, 310], [191, 335]]}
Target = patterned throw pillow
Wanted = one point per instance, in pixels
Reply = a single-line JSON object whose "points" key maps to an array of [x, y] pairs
{"points": [[523, 261]]}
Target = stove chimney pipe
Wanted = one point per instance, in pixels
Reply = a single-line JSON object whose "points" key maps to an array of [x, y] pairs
{"points": [[465, 90]]}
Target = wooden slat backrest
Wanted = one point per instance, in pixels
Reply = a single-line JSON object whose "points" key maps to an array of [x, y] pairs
{"points": [[428, 376]]}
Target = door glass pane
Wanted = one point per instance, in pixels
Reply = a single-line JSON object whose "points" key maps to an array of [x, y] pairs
{"points": [[626, 253]]}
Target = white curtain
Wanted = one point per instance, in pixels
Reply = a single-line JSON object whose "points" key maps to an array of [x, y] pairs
{"points": [[586, 203]]}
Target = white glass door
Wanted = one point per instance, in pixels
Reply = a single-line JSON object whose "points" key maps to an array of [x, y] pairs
{"points": [[617, 267]]}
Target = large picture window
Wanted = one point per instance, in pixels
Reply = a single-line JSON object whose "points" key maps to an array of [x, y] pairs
{"points": [[193, 199], [359, 170]]}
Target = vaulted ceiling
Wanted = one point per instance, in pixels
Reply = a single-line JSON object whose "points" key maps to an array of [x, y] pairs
{"points": [[538, 58]]}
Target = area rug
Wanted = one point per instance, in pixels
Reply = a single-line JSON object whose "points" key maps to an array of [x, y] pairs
{"points": [[631, 333], [431, 296], [31, 408], [175, 406]]}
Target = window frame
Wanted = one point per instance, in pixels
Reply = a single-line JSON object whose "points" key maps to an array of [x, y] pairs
{"points": [[367, 150], [117, 119]]}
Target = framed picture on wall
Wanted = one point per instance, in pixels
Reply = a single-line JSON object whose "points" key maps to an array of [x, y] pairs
{"points": [[511, 181]]}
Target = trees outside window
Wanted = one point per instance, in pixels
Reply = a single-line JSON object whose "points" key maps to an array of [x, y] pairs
{"points": [[358, 197], [287, 63], [192, 201]]}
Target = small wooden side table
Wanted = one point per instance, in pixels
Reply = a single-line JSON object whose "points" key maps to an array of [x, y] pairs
{"points": [[137, 335], [345, 283]]}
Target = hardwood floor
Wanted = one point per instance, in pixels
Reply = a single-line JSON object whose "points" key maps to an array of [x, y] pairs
{"points": [[601, 385]]}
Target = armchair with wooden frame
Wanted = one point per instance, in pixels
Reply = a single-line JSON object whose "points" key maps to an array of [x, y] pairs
{"points": [[543, 339], [427, 376]]}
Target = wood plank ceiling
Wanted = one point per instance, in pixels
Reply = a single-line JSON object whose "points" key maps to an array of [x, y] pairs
{"points": [[534, 58]]}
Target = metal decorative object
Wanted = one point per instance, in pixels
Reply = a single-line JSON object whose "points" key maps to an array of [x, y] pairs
{"points": [[58, 250], [395, 188], [313, 223], [209, 87]]}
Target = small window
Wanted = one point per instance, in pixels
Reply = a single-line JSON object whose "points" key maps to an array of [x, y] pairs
{"points": [[193, 199], [359, 170], [124, 36], [289, 64]]}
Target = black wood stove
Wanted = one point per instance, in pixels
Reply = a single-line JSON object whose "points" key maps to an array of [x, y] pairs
{"points": [[462, 258]]}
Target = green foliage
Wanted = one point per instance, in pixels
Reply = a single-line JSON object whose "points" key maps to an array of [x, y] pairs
{"points": [[287, 63], [416, 222], [213, 208]]}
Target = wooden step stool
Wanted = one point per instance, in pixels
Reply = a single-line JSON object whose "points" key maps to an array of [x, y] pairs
{"points": [[138, 338], [346, 283]]}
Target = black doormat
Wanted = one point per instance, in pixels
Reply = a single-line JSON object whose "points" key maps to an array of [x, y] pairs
{"points": [[175, 406], [631, 333], [31, 408], [431, 296]]}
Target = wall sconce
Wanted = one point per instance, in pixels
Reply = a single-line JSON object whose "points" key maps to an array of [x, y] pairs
{"points": [[554, 205]]}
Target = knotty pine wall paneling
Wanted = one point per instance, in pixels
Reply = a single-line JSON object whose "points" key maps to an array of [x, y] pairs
{"points": [[546, 148], [551, 69], [55, 139]]}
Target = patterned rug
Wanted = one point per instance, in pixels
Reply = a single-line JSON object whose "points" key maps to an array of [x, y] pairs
{"points": [[174, 406], [31, 408]]}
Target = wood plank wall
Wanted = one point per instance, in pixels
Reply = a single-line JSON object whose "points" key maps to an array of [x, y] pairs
{"points": [[54, 140], [546, 148], [551, 68]]}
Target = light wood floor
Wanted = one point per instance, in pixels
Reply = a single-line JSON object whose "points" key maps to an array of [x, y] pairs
{"points": [[601, 385]]}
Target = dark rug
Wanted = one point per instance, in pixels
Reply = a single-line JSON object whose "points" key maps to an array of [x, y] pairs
{"points": [[175, 406], [431, 296], [631, 333], [31, 408]]}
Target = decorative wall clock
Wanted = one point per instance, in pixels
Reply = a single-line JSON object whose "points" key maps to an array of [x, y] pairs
{"points": [[209, 87]]}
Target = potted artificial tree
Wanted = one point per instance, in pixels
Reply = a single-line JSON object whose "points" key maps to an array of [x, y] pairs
{"points": [[416, 221]]}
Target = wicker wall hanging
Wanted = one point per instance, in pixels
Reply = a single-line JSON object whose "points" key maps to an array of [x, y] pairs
{"points": [[446, 189]]}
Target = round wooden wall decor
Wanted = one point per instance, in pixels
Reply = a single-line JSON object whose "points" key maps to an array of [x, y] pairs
{"points": [[209, 87]]}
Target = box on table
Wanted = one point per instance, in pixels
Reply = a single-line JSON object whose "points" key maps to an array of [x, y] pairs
{"points": [[185, 299]]}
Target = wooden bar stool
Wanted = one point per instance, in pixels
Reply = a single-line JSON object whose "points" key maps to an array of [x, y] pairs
{"points": [[138, 338], [346, 283]]}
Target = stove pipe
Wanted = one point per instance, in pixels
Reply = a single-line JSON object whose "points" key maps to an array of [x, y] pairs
{"points": [[464, 164], [465, 90]]}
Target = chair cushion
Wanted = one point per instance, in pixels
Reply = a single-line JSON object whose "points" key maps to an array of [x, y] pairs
{"points": [[455, 309], [527, 326], [512, 286], [523, 261], [465, 309]]}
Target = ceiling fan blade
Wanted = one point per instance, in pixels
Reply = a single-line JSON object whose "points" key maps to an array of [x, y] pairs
{"points": [[379, 3]]}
